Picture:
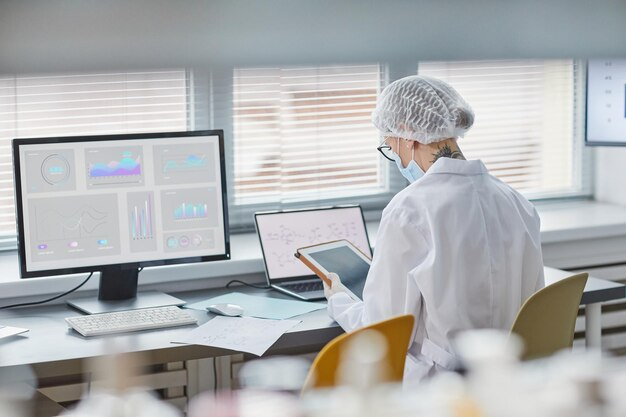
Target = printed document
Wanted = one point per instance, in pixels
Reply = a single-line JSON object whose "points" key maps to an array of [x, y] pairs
{"points": [[243, 334], [6, 331]]}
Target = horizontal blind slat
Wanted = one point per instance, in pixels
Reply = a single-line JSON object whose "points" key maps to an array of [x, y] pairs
{"points": [[295, 131], [524, 109]]}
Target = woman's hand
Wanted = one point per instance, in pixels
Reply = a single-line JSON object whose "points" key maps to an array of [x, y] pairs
{"points": [[335, 287]]}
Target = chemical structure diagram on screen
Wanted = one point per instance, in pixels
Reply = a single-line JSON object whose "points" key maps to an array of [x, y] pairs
{"points": [[346, 230], [333, 231], [285, 236], [290, 238], [284, 258]]}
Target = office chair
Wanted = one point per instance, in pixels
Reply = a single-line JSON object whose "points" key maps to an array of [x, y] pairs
{"points": [[397, 331], [546, 321]]}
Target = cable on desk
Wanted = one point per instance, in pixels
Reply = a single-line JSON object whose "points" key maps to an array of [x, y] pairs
{"points": [[48, 299], [236, 281]]}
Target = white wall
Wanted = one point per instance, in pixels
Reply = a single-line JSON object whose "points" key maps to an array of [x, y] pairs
{"points": [[42, 35], [610, 180]]}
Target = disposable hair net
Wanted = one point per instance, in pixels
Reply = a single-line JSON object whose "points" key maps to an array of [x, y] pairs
{"points": [[423, 109]]}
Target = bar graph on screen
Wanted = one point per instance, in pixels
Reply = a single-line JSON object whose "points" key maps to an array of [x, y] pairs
{"points": [[141, 220], [190, 211]]}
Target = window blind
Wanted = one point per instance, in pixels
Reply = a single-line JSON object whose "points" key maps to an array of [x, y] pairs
{"points": [[305, 133], [84, 104], [527, 128]]}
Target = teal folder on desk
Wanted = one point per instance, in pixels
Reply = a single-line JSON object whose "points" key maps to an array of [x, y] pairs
{"points": [[261, 307]]}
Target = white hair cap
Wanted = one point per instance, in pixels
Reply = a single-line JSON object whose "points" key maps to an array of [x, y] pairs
{"points": [[423, 109]]}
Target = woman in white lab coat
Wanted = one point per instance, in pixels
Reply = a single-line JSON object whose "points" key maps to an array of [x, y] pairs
{"points": [[457, 248]]}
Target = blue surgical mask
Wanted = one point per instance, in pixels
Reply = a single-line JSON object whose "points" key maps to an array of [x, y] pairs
{"points": [[412, 172]]}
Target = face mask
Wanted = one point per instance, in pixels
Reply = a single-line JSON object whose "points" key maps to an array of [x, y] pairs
{"points": [[412, 172]]}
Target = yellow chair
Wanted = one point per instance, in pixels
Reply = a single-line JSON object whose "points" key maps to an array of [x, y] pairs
{"points": [[397, 331], [546, 321]]}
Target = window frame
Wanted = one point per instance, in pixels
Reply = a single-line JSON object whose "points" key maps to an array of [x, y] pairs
{"points": [[10, 242], [210, 106], [242, 215], [581, 172]]}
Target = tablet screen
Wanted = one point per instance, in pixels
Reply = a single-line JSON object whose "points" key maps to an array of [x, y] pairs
{"points": [[348, 265]]}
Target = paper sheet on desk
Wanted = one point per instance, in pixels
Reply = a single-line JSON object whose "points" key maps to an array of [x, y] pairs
{"points": [[261, 307], [243, 334], [6, 331]]}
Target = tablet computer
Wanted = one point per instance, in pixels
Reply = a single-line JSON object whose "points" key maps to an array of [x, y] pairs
{"points": [[340, 257]]}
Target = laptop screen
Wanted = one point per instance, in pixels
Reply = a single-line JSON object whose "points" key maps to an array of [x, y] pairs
{"points": [[281, 233]]}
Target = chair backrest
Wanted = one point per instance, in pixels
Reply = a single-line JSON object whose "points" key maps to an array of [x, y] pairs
{"points": [[547, 319], [397, 332]]}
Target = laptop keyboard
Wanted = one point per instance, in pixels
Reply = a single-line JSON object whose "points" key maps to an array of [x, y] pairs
{"points": [[308, 286]]}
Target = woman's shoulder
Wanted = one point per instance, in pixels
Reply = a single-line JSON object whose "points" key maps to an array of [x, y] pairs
{"points": [[408, 199], [405, 206]]}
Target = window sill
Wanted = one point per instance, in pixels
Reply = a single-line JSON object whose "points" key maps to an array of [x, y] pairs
{"points": [[563, 222], [580, 220]]}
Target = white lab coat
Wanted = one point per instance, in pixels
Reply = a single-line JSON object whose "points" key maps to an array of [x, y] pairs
{"points": [[458, 249]]}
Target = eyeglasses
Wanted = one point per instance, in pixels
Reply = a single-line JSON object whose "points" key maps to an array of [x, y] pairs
{"points": [[386, 151]]}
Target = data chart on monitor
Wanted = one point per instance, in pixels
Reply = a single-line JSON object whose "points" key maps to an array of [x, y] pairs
{"points": [[606, 101], [111, 201]]}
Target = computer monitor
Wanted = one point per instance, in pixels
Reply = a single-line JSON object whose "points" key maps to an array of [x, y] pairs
{"points": [[117, 203], [606, 102]]}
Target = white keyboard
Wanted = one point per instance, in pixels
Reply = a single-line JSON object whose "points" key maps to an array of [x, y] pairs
{"points": [[130, 320]]}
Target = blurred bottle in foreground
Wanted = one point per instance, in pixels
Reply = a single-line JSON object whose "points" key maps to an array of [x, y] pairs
{"points": [[115, 393], [17, 387], [270, 387]]}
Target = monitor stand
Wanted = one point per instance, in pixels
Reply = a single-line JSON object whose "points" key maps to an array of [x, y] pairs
{"points": [[118, 292]]}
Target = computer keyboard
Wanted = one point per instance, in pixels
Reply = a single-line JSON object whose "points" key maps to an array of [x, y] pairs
{"points": [[305, 286], [130, 320]]}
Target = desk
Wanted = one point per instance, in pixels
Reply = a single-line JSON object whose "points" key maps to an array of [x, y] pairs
{"points": [[45, 407], [596, 291], [59, 355], [50, 345]]}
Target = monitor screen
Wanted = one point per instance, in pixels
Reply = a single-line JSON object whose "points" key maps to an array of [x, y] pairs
{"points": [[138, 200], [606, 102]]}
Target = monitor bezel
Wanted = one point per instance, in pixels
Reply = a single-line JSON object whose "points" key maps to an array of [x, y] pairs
{"points": [[17, 171]]}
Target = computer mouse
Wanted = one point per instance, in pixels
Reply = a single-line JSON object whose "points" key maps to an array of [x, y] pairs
{"points": [[225, 309]]}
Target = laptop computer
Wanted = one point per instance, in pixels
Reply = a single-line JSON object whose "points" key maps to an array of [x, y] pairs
{"points": [[282, 232]]}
